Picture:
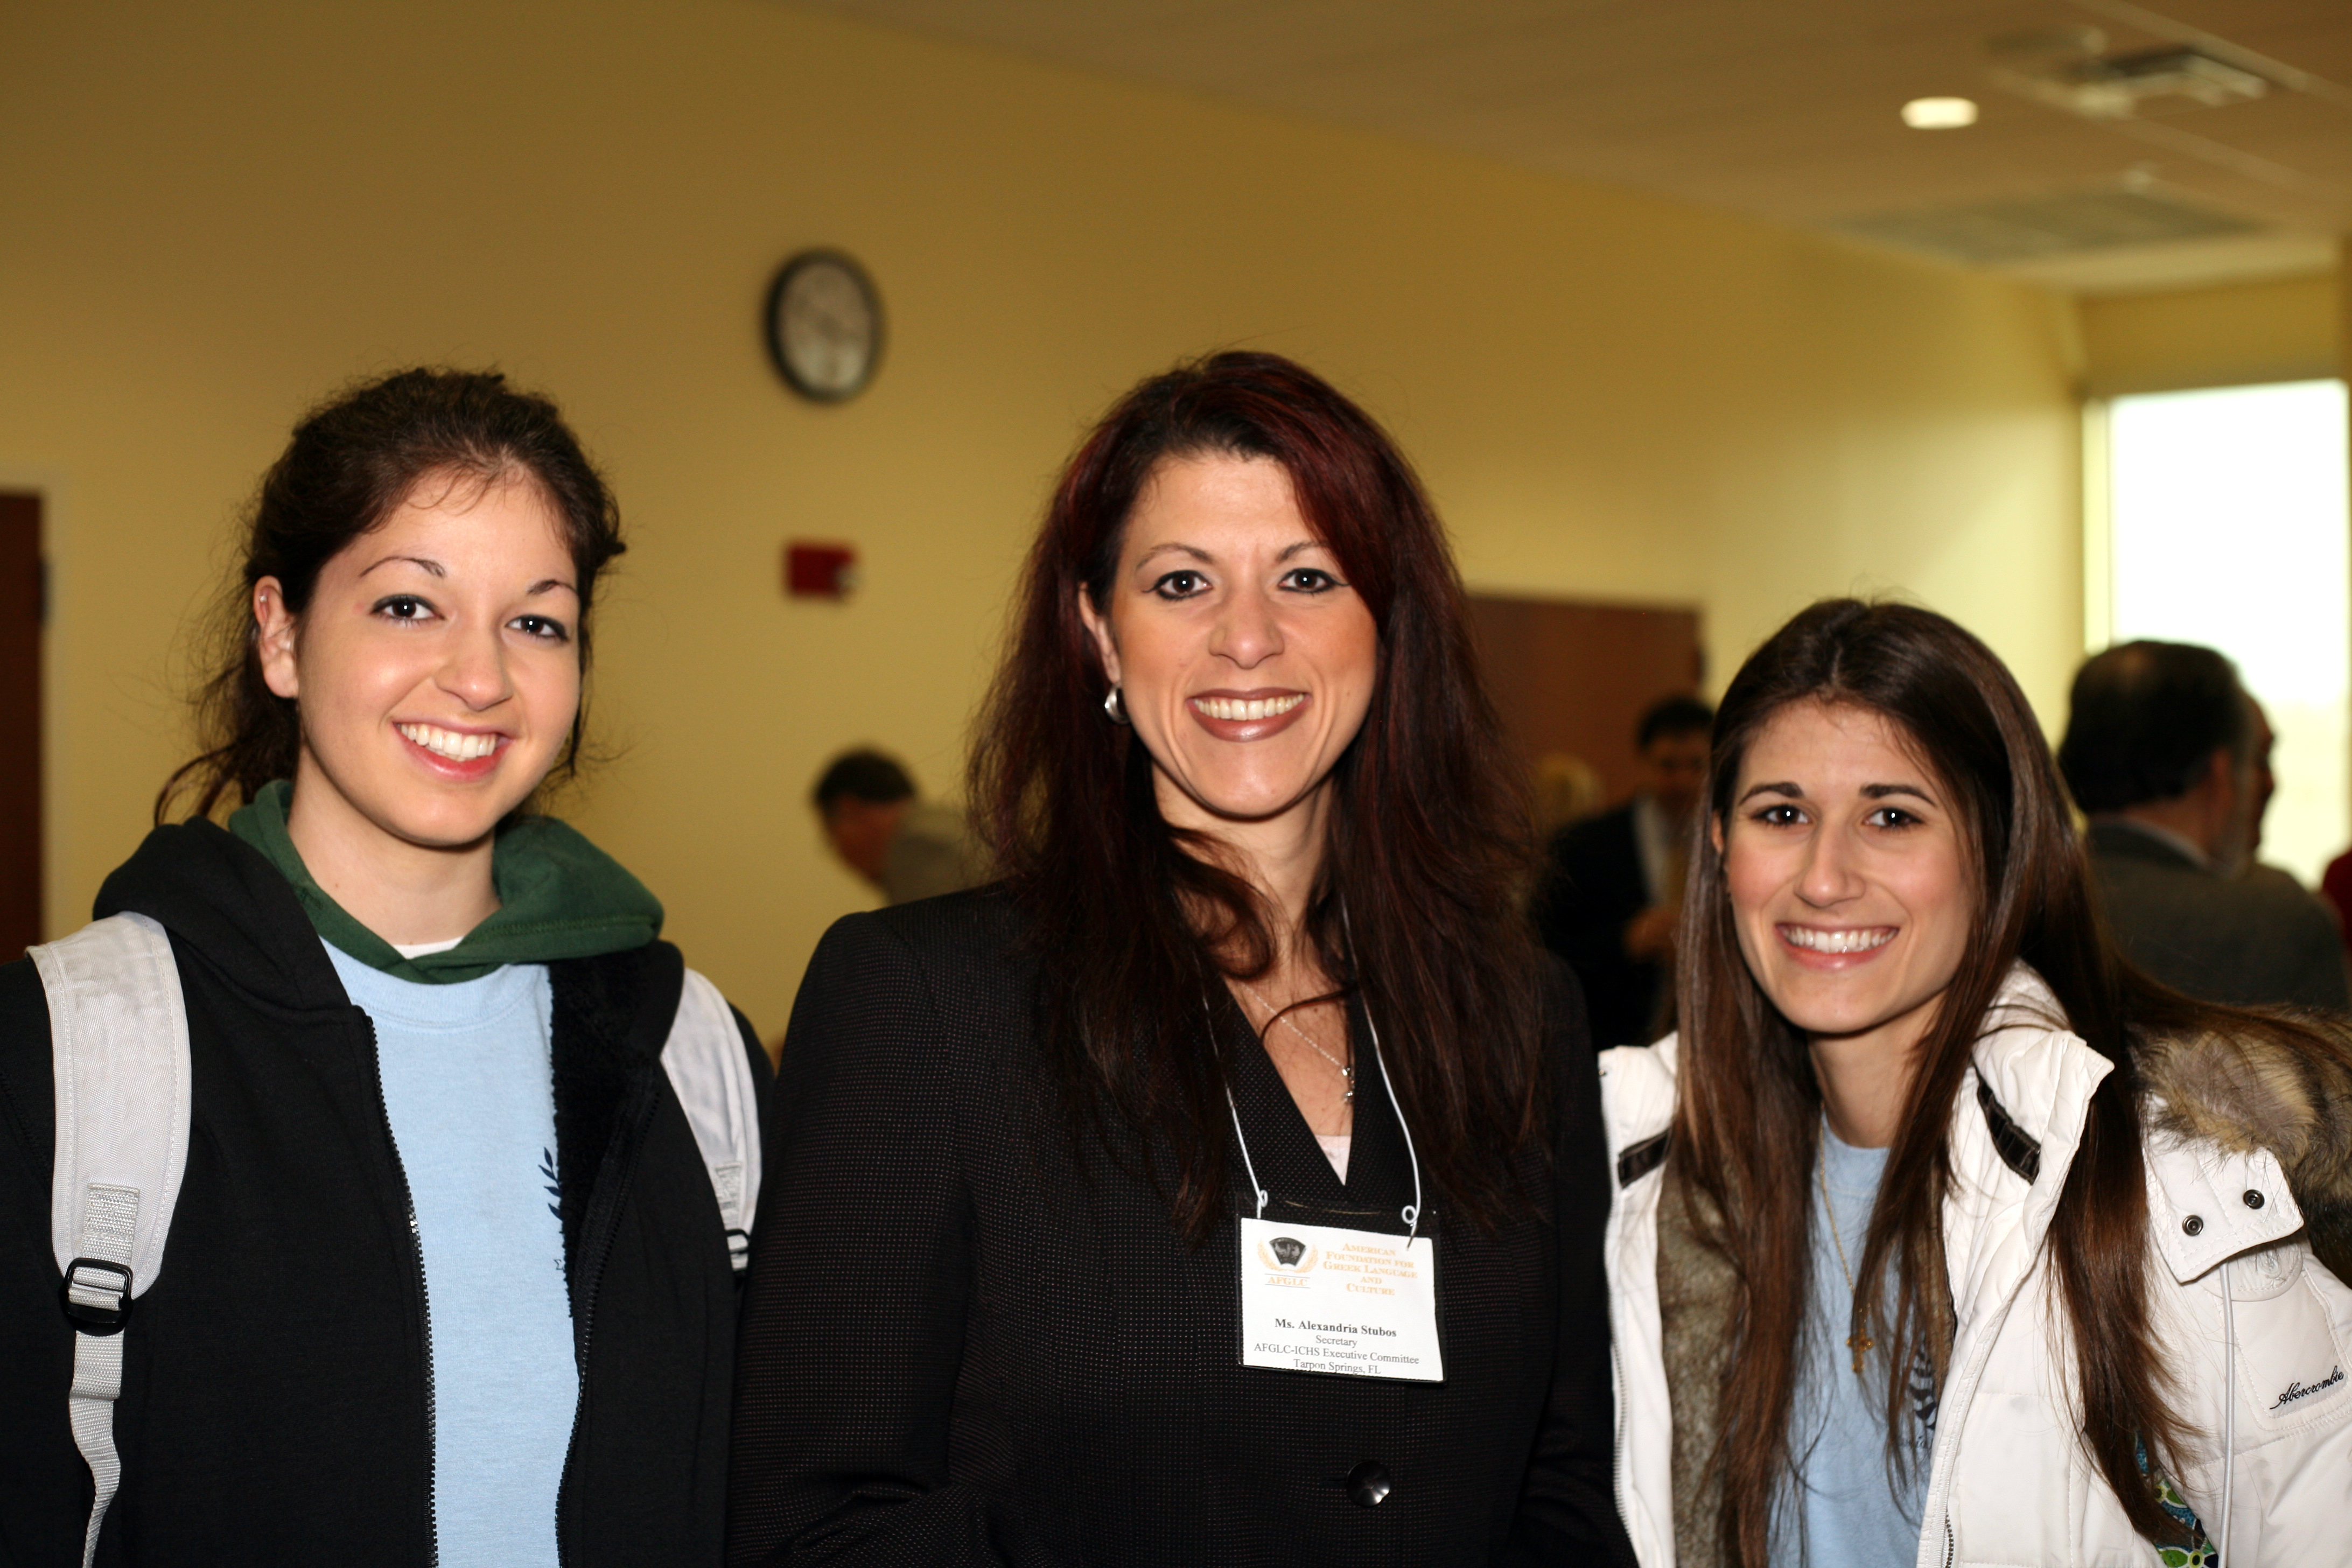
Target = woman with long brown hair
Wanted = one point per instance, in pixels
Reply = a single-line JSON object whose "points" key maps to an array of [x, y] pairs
{"points": [[1210, 1190], [1942, 1234]]}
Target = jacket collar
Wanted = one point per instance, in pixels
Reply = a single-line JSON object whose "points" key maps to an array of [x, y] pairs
{"points": [[1299, 1182], [222, 897], [2022, 1113], [2248, 1113], [2126, 839], [2014, 1133], [2207, 1201], [611, 1016], [2019, 1119], [1637, 1105], [2033, 1081]]}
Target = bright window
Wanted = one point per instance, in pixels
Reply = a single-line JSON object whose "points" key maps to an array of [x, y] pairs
{"points": [[2227, 517]]}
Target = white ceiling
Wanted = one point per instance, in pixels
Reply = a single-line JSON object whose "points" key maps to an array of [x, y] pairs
{"points": [[1787, 109]]}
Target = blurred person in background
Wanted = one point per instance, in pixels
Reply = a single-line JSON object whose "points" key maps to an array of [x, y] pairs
{"points": [[1567, 790], [1256, 1015], [2336, 886], [911, 849], [2265, 787], [1612, 887], [2162, 753]]}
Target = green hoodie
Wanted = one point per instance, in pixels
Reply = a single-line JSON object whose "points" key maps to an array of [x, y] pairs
{"points": [[558, 897]]}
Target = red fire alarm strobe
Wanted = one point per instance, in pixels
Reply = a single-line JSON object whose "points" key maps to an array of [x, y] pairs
{"points": [[819, 571]]}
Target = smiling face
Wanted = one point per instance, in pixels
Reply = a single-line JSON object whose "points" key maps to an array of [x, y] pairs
{"points": [[1245, 659], [435, 669], [1849, 879]]}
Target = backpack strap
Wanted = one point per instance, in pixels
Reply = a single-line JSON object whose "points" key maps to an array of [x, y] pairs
{"points": [[118, 1043], [705, 1058]]}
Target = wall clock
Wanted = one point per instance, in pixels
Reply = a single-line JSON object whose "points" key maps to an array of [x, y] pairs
{"points": [[824, 326]]}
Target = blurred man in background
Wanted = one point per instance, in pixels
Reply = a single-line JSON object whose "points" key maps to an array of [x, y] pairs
{"points": [[874, 821], [1612, 887], [2164, 753]]}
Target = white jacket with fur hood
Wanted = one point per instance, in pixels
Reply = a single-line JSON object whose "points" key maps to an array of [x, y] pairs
{"points": [[2239, 1145]]}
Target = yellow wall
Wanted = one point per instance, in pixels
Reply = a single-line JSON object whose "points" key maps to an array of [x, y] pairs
{"points": [[2279, 329], [214, 212]]}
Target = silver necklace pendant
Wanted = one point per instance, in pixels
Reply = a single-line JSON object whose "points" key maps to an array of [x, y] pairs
{"points": [[1347, 1070]]}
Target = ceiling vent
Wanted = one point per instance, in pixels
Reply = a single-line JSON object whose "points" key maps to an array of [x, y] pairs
{"points": [[2115, 87], [2026, 228]]}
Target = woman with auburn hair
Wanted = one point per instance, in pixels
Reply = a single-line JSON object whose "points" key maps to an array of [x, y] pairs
{"points": [[1210, 1189], [1941, 1233]]}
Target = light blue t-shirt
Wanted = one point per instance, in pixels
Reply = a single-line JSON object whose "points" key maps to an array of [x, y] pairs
{"points": [[470, 1093], [1847, 1512]]}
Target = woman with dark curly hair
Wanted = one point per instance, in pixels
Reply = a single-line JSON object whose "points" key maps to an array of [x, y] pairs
{"points": [[1218, 1188], [383, 1160]]}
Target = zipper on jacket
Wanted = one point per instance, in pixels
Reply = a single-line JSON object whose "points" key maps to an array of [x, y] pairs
{"points": [[424, 1298], [1617, 1447], [1959, 1391], [587, 1307]]}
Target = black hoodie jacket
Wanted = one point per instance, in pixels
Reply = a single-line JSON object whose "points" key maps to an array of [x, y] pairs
{"points": [[276, 1399]]}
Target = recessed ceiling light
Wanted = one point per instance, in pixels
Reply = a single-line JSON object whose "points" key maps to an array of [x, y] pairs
{"points": [[1939, 113]]}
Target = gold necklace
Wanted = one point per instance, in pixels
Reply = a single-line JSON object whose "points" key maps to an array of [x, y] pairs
{"points": [[1861, 1344], [1345, 1071]]}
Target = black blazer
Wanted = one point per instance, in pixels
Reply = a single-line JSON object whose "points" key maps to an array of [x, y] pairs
{"points": [[971, 1340], [1593, 885]]}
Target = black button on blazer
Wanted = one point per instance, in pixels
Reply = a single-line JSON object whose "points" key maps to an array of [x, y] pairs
{"points": [[968, 1338]]}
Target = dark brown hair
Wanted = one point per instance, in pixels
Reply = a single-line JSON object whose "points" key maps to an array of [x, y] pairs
{"points": [[1747, 1127], [350, 463], [2144, 719], [1427, 833]]}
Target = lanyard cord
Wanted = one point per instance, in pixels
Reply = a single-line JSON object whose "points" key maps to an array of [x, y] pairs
{"points": [[1411, 1213], [1411, 1216], [1210, 1017], [1246, 1164]]}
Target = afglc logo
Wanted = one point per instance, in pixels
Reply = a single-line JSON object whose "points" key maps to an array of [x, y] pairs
{"points": [[1286, 1253]]}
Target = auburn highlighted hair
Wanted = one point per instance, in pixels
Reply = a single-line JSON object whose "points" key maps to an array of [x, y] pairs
{"points": [[1415, 908]]}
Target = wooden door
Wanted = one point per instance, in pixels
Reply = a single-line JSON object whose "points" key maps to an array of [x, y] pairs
{"points": [[1573, 677], [20, 721]]}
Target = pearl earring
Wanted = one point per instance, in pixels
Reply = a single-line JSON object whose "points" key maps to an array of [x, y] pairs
{"points": [[1113, 706]]}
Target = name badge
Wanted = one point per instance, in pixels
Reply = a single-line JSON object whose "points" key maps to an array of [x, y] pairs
{"points": [[1316, 1298]]}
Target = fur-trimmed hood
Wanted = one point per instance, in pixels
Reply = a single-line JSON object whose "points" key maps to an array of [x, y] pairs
{"points": [[2249, 1143], [2256, 1092]]}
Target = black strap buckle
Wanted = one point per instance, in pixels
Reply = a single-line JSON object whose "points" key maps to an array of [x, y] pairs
{"points": [[97, 1317]]}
